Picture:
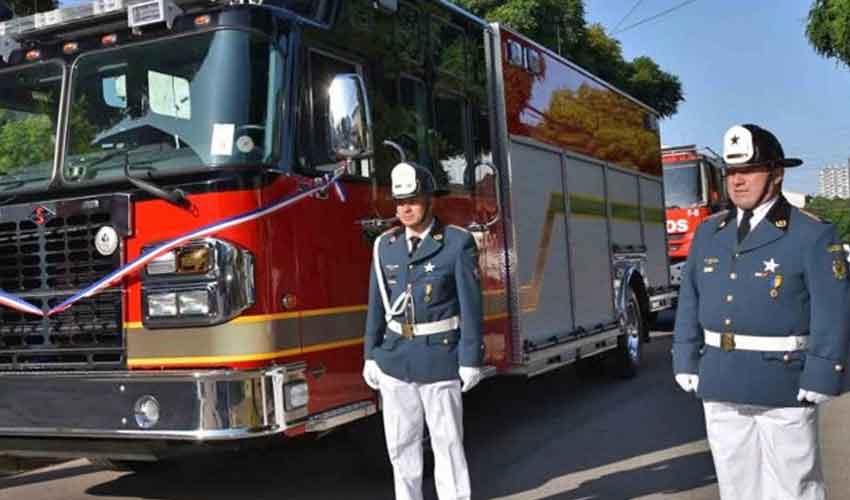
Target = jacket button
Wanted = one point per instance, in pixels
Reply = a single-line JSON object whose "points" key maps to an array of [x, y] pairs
{"points": [[727, 321], [729, 298], [410, 266], [786, 358], [445, 341], [733, 276], [839, 368]]}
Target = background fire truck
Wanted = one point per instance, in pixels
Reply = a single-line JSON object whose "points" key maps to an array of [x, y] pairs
{"points": [[156, 118], [693, 190]]}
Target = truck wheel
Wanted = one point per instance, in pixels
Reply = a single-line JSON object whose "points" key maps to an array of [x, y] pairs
{"points": [[629, 345]]}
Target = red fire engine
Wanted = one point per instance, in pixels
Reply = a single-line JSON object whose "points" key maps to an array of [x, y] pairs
{"points": [[183, 260], [693, 190]]}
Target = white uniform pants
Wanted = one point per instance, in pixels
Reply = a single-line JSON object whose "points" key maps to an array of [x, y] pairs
{"points": [[765, 453], [407, 406]]}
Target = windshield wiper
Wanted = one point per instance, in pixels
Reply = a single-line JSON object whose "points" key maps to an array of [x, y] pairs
{"points": [[174, 196]]}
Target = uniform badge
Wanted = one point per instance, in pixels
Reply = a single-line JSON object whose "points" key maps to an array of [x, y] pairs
{"points": [[438, 237], [777, 283], [711, 261], [708, 269], [781, 223], [429, 288], [429, 267], [770, 265], [834, 248], [839, 269]]}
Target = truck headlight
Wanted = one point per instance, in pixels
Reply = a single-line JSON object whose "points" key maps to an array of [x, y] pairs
{"points": [[162, 305], [296, 395], [207, 282], [193, 302]]}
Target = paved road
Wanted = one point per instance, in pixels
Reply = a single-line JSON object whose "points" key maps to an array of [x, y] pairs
{"points": [[564, 436]]}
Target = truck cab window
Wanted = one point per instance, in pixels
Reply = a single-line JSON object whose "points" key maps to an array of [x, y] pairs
{"points": [[448, 141]]}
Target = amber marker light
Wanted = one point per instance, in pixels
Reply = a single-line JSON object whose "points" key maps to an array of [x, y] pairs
{"points": [[108, 40], [203, 20], [70, 47], [33, 55]]}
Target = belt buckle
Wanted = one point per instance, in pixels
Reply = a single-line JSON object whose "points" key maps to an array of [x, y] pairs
{"points": [[727, 342], [407, 330]]}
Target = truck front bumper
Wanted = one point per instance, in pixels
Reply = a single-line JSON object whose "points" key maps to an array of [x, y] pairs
{"points": [[211, 405]]}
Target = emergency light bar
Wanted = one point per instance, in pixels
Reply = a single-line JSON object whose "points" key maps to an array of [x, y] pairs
{"points": [[139, 13]]}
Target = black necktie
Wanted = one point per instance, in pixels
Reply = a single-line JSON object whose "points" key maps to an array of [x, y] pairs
{"points": [[414, 244], [744, 225]]}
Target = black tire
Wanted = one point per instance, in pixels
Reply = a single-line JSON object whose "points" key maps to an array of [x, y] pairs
{"points": [[630, 344]]}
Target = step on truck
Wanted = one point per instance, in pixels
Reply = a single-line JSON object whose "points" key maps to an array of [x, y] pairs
{"points": [[189, 192]]}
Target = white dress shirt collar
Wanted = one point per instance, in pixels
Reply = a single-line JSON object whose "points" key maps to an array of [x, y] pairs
{"points": [[758, 213]]}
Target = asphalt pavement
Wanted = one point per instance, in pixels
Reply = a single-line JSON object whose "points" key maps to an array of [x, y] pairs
{"points": [[568, 435]]}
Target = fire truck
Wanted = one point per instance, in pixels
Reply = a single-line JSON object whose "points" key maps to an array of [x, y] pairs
{"points": [[189, 192], [693, 190]]}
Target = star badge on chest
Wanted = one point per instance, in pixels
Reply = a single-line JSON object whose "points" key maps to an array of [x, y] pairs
{"points": [[770, 266], [429, 267]]}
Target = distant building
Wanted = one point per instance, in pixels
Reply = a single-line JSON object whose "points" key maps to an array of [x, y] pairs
{"points": [[835, 181]]}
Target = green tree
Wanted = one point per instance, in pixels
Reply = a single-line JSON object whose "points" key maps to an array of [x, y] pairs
{"points": [[835, 210], [29, 7], [828, 29], [560, 25]]}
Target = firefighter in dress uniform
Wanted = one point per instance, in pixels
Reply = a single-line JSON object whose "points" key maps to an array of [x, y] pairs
{"points": [[762, 329], [423, 342]]}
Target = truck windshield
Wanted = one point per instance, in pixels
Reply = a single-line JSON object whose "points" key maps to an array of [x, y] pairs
{"points": [[29, 107], [171, 106], [683, 185]]}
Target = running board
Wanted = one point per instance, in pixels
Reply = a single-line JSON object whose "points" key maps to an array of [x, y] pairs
{"points": [[559, 355], [327, 420]]}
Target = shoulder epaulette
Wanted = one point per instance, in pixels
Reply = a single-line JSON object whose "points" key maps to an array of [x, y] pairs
{"points": [[718, 215], [465, 230], [812, 216]]}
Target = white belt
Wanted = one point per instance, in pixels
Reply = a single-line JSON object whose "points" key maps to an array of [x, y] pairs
{"points": [[733, 342], [409, 330]]}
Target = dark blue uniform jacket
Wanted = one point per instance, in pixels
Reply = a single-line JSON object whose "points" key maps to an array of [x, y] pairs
{"points": [[728, 288], [444, 276]]}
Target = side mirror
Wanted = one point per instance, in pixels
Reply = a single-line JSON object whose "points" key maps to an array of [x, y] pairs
{"points": [[349, 121], [483, 179]]}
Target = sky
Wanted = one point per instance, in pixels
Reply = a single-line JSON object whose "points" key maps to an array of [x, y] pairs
{"points": [[742, 62]]}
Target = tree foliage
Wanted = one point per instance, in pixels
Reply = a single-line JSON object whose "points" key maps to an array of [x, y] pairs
{"points": [[828, 29], [560, 25], [835, 210], [29, 7]]}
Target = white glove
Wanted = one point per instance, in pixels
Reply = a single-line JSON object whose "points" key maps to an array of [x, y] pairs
{"points": [[371, 374], [812, 397], [687, 381], [470, 375]]}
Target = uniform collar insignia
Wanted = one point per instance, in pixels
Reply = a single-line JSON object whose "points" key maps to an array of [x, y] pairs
{"points": [[725, 217], [780, 213], [438, 230]]}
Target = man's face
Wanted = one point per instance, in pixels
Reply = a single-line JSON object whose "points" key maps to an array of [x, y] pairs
{"points": [[747, 184], [412, 211]]}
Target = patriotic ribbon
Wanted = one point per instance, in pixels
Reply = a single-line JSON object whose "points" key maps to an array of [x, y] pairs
{"points": [[14, 302]]}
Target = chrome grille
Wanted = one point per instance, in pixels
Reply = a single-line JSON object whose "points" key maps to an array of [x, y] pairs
{"points": [[45, 264]]}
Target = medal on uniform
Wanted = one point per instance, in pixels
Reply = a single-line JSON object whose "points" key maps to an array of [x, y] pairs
{"points": [[428, 289], [777, 282], [770, 266], [429, 267]]}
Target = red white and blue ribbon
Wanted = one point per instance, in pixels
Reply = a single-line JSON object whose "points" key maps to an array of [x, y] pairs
{"points": [[14, 302]]}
